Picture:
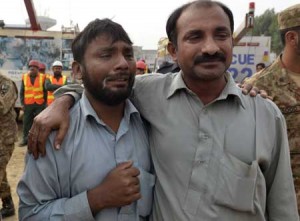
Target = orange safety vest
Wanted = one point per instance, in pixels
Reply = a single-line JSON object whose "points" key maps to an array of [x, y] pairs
{"points": [[53, 80], [33, 93]]}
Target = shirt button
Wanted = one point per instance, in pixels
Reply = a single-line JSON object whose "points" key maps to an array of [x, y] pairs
{"points": [[200, 162], [204, 137], [204, 111]]}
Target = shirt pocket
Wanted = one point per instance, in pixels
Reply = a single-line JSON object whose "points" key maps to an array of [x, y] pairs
{"points": [[236, 184], [147, 181]]}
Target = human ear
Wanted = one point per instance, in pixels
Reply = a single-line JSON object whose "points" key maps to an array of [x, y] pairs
{"points": [[77, 70], [292, 37], [172, 49]]}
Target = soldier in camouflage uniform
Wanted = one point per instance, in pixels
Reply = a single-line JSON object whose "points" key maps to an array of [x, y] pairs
{"points": [[8, 136], [282, 82]]}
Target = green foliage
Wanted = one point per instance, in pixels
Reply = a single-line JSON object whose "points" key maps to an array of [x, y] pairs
{"points": [[267, 25]]}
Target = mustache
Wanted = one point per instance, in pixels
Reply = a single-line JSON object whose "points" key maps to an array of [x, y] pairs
{"points": [[122, 75], [209, 58]]}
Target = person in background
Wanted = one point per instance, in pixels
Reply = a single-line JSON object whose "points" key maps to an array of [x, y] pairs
{"points": [[140, 67], [42, 68], [168, 67], [8, 136], [33, 97], [281, 81], [209, 165], [260, 66], [54, 81], [103, 172]]}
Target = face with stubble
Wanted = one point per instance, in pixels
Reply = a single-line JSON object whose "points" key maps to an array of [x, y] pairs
{"points": [[57, 70], [108, 70]]}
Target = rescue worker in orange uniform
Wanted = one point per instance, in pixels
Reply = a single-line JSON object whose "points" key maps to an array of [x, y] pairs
{"points": [[42, 68], [33, 96], [54, 81]]}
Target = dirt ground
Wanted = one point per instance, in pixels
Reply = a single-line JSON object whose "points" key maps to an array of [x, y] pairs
{"points": [[14, 171]]}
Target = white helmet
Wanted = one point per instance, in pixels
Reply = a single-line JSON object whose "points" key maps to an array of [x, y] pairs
{"points": [[57, 63]]}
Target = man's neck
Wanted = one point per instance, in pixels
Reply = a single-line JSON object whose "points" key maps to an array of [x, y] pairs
{"points": [[58, 76], [32, 75], [207, 91], [110, 115], [290, 61]]}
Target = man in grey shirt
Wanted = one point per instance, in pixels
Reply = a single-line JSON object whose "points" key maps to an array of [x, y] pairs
{"points": [[103, 170], [218, 155]]}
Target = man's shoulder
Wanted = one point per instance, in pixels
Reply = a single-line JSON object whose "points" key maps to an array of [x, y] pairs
{"points": [[154, 77], [75, 121], [262, 106], [268, 80], [5, 79], [270, 72], [73, 131], [266, 75], [7, 86], [150, 87], [75, 112], [153, 81]]}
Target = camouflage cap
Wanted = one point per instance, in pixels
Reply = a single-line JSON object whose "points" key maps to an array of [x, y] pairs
{"points": [[289, 17]]}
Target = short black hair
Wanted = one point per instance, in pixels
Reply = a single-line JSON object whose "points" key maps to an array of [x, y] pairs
{"points": [[173, 18], [261, 64], [93, 30]]}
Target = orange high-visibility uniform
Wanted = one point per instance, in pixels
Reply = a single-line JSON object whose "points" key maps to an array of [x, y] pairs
{"points": [[34, 93], [53, 80]]}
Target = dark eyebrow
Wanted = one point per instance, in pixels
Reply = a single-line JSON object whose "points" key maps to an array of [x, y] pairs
{"points": [[192, 32], [223, 28], [106, 49], [128, 48], [112, 48]]}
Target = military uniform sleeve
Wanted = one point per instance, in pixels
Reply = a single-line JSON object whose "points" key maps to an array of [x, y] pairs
{"points": [[22, 91], [44, 195], [251, 80], [267, 84], [281, 198], [75, 90], [263, 82], [8, 96]]}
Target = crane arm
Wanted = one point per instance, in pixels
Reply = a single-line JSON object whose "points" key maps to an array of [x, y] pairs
{"points": [[35, 26]]}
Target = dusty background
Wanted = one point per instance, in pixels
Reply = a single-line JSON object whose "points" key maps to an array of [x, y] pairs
{"points": [[14, 171]]}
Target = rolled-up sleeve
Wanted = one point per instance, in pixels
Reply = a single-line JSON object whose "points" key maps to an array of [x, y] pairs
{"points": [[71, 89]]}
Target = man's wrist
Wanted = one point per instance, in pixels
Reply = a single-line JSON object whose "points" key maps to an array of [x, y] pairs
{"points": [[95, 199], [71, 100]]}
